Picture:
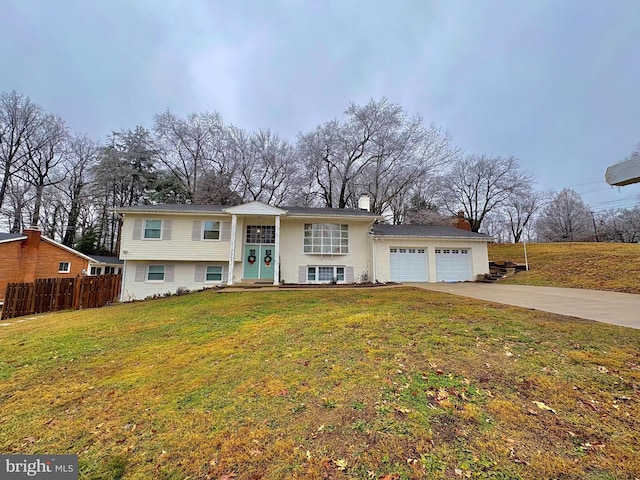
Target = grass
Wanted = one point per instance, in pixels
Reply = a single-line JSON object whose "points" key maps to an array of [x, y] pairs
{"points": [[387, 384], [599, 266]]}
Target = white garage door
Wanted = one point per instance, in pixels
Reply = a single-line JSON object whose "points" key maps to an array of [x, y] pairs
{"points": [[453, 264], [408, 264]]}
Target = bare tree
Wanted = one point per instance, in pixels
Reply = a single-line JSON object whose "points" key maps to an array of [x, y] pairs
{"points": [[269, 169], [619, 225], [19, 118], [191, 147], [377, 150], [320, 150], [20, 196], [520, 209], [478, 184], [566, 218], [44, 152]]}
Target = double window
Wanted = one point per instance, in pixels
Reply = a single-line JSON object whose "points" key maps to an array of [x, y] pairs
{"points": [[64, 267], [325, 274], [326, 238]]}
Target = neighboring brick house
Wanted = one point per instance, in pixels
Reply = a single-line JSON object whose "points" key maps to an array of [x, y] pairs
{"points": [[28, 255]]}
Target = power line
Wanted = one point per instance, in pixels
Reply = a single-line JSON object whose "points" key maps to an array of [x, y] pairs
{"points": [[585, 184]]}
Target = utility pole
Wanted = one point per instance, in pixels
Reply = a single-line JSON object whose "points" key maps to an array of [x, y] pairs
{"points": [[595, 229]]}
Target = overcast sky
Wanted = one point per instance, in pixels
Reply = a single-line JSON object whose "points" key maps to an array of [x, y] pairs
{"points": [[554, 83]]}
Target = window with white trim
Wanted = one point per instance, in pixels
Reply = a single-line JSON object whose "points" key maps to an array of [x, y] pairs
{"points": [[214, 273], [152, 230], [326, 238], [325, 274], [210, 230], [155, 273], [64, 267], [96, 270]]}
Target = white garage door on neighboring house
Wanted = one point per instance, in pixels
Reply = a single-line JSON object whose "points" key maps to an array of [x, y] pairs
{"points": [[408, 264], [453, 264]]}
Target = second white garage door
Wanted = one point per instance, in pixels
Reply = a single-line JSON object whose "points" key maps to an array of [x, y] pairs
{"points": [[453, 264], [408, 264]]}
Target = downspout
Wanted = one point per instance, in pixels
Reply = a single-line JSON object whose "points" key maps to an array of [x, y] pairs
{"points": [[124, 276], [232, 249], [374, 277], [276, 254], [124, 266]]}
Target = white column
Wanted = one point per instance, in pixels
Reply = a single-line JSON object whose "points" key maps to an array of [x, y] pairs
{"points": [[276, 254], [232, 249]]}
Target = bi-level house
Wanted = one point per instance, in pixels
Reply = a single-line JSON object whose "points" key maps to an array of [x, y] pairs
{"points": [[167, 247]]}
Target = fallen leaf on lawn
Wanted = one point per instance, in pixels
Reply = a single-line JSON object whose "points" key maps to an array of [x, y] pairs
{"points": [[341, 464], [532, 412], [402, 410], [228, 476], [603, 369], [543, 406]]}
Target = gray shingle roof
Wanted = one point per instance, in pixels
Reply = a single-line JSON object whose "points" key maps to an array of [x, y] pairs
{"points": [[348, 212], [176, 208], [4, 237], [103, 259], [181, 208], [427, 231]]}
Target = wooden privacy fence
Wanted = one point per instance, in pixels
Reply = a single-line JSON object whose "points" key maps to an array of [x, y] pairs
{"points": [[53, 294]]}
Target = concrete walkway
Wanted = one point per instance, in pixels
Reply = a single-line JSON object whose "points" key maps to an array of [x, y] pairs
{"points": [[609, 307]]}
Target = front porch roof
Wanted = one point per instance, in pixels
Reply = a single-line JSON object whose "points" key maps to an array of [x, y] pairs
{"points": [[254, 208]]}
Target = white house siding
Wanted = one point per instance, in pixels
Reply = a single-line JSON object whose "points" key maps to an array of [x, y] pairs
{"points": [[292, 256], [180, 247], [477, 251], [185, 276]]}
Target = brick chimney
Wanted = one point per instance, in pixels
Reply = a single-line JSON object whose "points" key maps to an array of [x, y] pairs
{"points": [[462, 223], [29, 254]]}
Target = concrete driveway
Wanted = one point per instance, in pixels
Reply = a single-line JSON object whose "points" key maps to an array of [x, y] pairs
{"points": [[609, 307]]}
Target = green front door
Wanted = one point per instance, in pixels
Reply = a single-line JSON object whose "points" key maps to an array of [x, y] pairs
{"points": [[258, 261]]}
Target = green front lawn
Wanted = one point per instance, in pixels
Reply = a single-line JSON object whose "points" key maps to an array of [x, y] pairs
{"points": [[377, 383]]}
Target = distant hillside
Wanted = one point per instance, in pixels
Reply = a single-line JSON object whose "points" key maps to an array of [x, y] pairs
{"points": [[602, 266]]}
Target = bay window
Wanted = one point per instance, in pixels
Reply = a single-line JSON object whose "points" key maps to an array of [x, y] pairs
{"points": [[326, 238]]}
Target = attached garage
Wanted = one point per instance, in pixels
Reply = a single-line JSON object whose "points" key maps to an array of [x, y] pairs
{"points": [[428, 253], [453, 265], [408, 264]]}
